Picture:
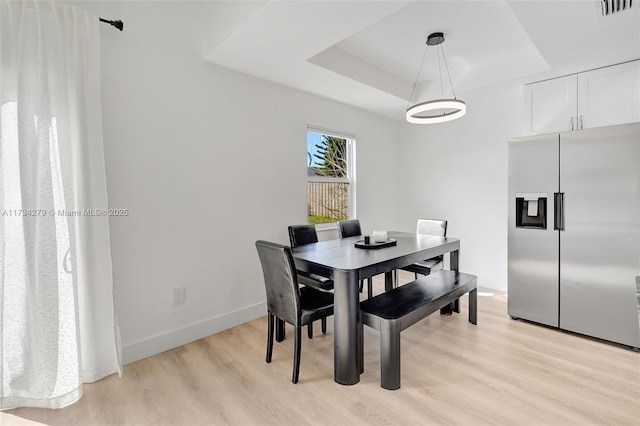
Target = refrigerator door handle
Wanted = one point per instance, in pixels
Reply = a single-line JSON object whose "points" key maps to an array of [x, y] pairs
{"points": [[558, 208]]}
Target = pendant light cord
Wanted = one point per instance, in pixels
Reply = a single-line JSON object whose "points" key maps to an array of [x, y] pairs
{"points": [[440, 71], [447, 67], [417, 76]]}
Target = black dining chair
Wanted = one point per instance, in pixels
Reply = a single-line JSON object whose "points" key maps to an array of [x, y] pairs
{"points": [[435, 227], [286, 300], [300, 235], [351, 228]]}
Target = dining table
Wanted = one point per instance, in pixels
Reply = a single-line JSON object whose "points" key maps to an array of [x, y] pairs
{"points": [[346, 264]]}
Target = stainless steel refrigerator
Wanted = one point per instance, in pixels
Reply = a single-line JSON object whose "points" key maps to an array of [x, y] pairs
{"points": [[574, 231]]}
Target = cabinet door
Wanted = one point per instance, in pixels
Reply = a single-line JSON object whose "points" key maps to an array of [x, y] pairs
{"points": [[609, 96], [551, 106]]}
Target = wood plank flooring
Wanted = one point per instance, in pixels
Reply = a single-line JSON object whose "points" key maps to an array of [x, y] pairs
{"points": [[500, 372]]}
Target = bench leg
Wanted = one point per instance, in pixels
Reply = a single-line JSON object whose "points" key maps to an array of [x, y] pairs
{"points": [[473, 306], [447, 310], [390, 355]]}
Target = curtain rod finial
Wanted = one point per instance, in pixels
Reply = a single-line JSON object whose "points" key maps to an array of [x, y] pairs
{"points": [[118, 24]]}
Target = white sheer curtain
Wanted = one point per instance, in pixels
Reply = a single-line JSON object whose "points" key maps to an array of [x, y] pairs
{"points": [[57, 316]]}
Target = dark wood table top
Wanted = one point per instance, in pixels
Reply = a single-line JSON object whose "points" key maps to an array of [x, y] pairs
{"points": [[342, 255]]}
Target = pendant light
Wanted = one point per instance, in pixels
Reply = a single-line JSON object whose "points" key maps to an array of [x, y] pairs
{"points": [[438, 110]]}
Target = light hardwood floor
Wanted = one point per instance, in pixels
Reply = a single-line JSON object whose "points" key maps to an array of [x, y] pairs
{"points": [[500, 372]]}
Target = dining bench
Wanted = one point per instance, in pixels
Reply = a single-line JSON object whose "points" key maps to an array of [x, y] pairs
{"points": [[397, 309]]}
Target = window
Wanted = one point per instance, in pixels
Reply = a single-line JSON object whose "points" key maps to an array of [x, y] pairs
{"points": [[330, 176]]}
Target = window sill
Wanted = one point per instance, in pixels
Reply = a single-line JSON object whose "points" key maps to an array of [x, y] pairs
{"points": [[327, 231], [325, 227]]}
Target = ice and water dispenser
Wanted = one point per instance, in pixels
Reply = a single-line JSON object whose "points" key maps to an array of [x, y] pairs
{"points": [[531, 210]]}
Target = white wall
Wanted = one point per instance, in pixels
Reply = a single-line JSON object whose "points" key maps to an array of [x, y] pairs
{"points": [[208, 160], [458, 171]]}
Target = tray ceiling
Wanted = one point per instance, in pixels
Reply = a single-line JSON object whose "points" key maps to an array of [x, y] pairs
{"points": [[367, 54]]}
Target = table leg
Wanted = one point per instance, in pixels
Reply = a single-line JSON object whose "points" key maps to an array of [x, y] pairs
{"points": [[347, 328], [454, 258], [389, 281], [454, 262]]}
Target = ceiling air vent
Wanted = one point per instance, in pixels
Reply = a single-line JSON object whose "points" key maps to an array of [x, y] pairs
{"points": [[612, 7]]}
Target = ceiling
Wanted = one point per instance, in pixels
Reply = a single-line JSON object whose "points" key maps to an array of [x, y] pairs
{"points": [[367, 53]]}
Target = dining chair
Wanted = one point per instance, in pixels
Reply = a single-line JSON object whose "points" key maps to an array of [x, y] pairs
{"points": [[300, 235], [288, 301], [351, 228], [435, 227]]}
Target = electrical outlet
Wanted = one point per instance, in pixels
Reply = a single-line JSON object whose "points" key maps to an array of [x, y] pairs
{"points": [[178, 296]]}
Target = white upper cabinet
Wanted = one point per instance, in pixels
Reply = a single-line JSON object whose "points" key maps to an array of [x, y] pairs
{"points": [[597, 98], [550, 106], [609, 96]]}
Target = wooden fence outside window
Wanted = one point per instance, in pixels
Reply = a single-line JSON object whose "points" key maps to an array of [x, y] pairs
{"points": [[329, 200]]}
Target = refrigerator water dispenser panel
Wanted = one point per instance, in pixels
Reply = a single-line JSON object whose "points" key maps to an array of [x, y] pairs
{"points": [[531, 210]]}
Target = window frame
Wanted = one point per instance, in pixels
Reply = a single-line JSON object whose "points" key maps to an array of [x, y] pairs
{"points": [[351, 171]]}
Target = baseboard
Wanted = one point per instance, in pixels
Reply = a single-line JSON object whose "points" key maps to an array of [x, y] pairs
{"points": [[141, 349]]}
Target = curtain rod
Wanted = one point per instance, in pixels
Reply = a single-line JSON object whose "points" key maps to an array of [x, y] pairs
{"points": [[118, 24]]}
